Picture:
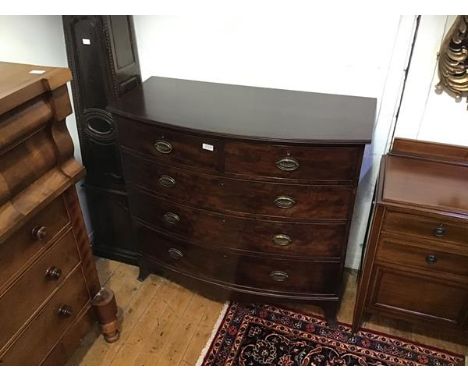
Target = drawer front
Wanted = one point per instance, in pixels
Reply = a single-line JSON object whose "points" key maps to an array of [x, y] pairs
{"points": [[35, 285], [224, 194], [18, 251], [288, 239], [170, 147], [418, 297], [258, 273], [44, 331], [404, 254], [426, 227], [320, 163]]}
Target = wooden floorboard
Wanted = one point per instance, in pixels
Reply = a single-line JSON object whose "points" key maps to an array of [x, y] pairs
{"points": [[166, 324]]}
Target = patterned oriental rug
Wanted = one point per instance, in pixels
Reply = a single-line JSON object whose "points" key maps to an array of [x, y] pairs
{"points": [[265, 335]]}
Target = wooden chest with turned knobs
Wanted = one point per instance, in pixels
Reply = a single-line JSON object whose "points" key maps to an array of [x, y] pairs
{"points": [[48, 277], [415, 267], [242, 191]]}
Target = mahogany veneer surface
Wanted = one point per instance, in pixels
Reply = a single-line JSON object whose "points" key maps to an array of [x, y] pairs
{"points": [[240, 190], [408, 179], [272, 114], [416, 261], [47, 272]]}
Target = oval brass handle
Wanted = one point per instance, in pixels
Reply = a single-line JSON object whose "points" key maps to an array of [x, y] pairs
{"points": [[439, 231], [287, 164], [53, 273], [282, 239], [279, 276], [171, 218], [175, 254], [163, 147], [39, 233], [284, 201], [167, 181], [431, 259], [65, 310]]}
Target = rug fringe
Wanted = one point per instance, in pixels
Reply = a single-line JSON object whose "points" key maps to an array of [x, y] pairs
{"points": [[213, 333]]}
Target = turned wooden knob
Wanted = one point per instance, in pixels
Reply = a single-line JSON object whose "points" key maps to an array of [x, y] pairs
{"points": [[431, 259], [65, 311], [439, 231], [39, 233], [53, 273]]}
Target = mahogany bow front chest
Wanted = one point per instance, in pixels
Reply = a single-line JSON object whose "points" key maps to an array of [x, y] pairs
{"points": [[242, 189]]}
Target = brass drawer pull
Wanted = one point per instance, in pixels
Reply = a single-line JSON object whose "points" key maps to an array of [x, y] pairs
{"points": [[65, 311], [279, 276], [171, 218], [175, 254], [53, 273], [440, 231], [39, 233], [163, 147], [431, 259], [283, 201], [282, 239], [167, 181], [287, 164]]}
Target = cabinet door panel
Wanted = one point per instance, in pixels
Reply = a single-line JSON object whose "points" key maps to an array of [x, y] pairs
{"points": [[419, 297]]}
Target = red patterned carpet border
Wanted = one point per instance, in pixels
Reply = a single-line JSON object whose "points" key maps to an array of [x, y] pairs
{"points": [[265, 335]]}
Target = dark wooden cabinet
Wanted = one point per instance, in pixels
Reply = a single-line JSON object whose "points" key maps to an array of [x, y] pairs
{"points": [[246, 191], [103, 57], [416, 263]]}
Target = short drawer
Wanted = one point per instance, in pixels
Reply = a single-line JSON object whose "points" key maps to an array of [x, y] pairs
{"points": [[405, 254], [311, 164], [28, 293], [21, 249], [426, 227], [419, 297], [292, 239], [36, 341], [253, 197], [252, 272], [168, 146]]}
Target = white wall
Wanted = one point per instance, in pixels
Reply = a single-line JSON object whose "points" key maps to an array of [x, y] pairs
{"points": [[320, 53], [424, 114], [39, 40], [330, 54]]}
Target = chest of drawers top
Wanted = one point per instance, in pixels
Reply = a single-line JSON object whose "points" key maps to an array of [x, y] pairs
{"points": [[427, 176], [250, 112]]}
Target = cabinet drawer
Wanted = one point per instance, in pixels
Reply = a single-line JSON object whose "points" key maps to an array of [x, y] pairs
{"points": [[225, 194], [404, 254], [419, 298], [320, 163], [35, 285], [426, 227], [252, 272], [20, 250], [44, 331], [169, 146], [288, 239]]}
